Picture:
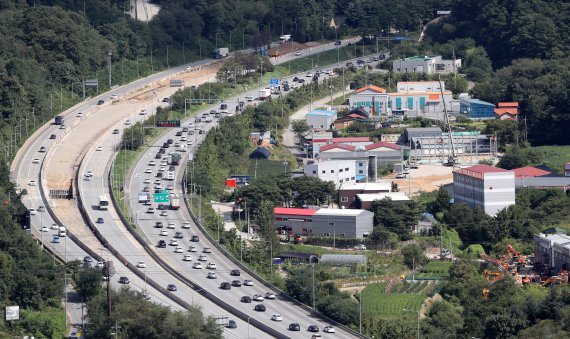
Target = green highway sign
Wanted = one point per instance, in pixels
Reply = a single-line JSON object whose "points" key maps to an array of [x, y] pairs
{"points": [[161, 197], [165, 192]]}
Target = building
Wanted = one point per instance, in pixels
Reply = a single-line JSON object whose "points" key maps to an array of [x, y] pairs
{"points": [[477, 109], [343, 259], [507, 110], [335, 171], [316, 144], [414, 104], [567, 169], [426, 64], [357, 114], [325, 222], [421, 132], [365, 201], [372, 98], [464, 143], [420, 86], [530, 172], [391, 138], [490, 188], [347, 193], [321, 119], [551, 252]]}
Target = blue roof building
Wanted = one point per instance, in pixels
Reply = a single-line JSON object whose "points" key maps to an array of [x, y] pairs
{"points": [[321, 119], [477, 109]]}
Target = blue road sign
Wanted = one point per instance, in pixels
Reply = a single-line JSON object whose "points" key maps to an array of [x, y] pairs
{"points": [[273, 82]]}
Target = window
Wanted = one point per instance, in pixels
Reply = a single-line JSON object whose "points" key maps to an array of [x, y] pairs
{"points": [[360, 171], [343, 199], [340, 181], [340, 170], [314, 172], [331, 224], [352, 178], [323, 171], [360, 164], [326, 234], [332, 171], [346, 169], [341, 235]]}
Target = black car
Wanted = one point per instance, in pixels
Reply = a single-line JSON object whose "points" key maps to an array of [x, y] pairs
{"points": [[170, 141], [295, 79], [100, 102], [232, 324], [179, 133], [236, 283], [158, 156], [161, 244], [100, 220], [259, 308], [301, 81], [171, 287], [53, 136], [115, 131], [225, 286], [159, 224], [294, 327], [200, 132], [161, 151], [165, 145], [159, 174], [162, 207], [235, 273], [337, 43], [195, 238], [172, 168], [313, 328], [124, 280], [178, 235], [245, 299]]}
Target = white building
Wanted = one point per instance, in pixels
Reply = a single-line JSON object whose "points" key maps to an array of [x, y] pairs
{"points": [[372, 98], [335, 171], [426, 64], [414, 98], [484, 186], [321, 119], [420, 86]]}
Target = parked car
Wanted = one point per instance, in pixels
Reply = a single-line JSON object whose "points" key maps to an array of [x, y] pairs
{"points": [[360, 247]]}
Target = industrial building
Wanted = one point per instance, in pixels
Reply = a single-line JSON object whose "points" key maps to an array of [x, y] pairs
{"points": [[426, 64], [476, 109], [552, 252], [325, 222], [316, 143], [372, 98], [365, 201], [490, 188], [338, 172], [321, 119], [347, 193]]}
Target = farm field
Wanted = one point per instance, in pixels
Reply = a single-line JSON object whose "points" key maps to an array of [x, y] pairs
{"points": [[434, 270], [378, 303], [555, 156]]}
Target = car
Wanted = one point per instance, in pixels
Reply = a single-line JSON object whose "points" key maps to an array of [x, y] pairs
{"points": [[146, 189], [260, 308], [179, 235], [173, 242], [171, 287], [79, 114], [33, 211], [445, 252], [150, 210], [163, 163], [99, 148], [36, 161], [212, 275], [360, 247], [41, 208], [56, 239], [247, 282], [124, 280], [128, 122], [185, 224], [87, 259], [141, 264], [298, 53], [161, 244], [170, 141], [245, 299], [206, 250], [163, 213], [178, 249], [202, 258], [270, 295], [54, 226], [100, 220], [171, 223], [195, 238], [187, 257], [400, 176], [42, 149], [301, 81], [158, 156], [89, 173], [162, 169], [211, 266], [170, 187], [316, 335], [162, 151], [151, 163], [225, 286], [294, 327], [192, 249], [258, 297], [232, 324], [147, 181], [163, 233], [45, 229], [100, 102], [32, 183], [148, 170], [277, 317], [236, 283], [188, 68], [53, 136], [159, 174], [313, 328], [100, 264], [198, 266], [116, 131], [235, 273], [159, 224], [309, 75], [329, 329], [249, 98], [184, 138], [114, 97]]}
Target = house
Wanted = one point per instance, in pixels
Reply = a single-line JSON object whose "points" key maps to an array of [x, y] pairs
{"points": [[356, 114], [335, 171], [364, 201], [347, 193], [321, 119], [316, 143], [490, 188], [376, 154], [325, 222], [426, 64], [372, 98], [476, 109], [507, 111]]}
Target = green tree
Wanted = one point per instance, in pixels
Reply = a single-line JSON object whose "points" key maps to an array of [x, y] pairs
{"points": [[89, 282], [414, 256], [396, 217]]}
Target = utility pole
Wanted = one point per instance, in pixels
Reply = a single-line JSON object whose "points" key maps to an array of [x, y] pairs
{"points": [[109, 54]]}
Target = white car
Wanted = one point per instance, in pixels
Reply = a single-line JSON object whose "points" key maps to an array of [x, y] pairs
{"points": [[32, 183], [146, 181], [360, 247], [187, 257], [212, 275], [192, 249], [197, 266], [163, 163], [164, 233], [211, 266], [89, 174], [148, 170], [141, 264], [183, 138], [188, 68], [54, 227], [163, 213], [247, 282], [79, 114], [258, 297], [309, 75], [173, 242], [150, 210], [206, 250], [99, 148], [35, 161], [277, 317], [249, 98], [45, 229], [33, 211], [186, 224], [190, 143], [151, 163], [202, 258], [329, 329], [128, 122], [143, 111], [114, 97], [178, 249], [162, 169], [270, 295], [297, 53], [171, 225]]}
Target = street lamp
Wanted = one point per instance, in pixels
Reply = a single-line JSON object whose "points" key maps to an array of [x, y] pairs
{"points": [[312, 262], [418, 312], [219, 225]]}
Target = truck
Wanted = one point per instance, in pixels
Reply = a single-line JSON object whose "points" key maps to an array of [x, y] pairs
{"points": [[174, 202], [144, 197], [175, 158], [59, 120], [285, 38], [220, 53], [264, 93]]}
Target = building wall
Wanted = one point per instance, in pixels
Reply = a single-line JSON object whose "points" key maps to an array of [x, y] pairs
{"points": [[477, 110], [420, 86], [337, 172], [426, 65], [322, 122], [347, 198], [492, 193], [365, 98], [294, 224], [343, 226]]}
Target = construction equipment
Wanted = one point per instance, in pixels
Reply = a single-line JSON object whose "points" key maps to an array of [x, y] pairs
{"points": [[492, 276], [452, 158], [500, 265]]}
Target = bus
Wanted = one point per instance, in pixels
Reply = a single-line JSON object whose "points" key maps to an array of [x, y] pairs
{"points": [[103, 203]]}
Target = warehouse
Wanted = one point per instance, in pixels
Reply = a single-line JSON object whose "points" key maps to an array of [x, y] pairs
{"points": [[551, 252]]}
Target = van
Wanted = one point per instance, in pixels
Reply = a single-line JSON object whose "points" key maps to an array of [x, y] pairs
{"points": [[182, 148], [62, 231]]}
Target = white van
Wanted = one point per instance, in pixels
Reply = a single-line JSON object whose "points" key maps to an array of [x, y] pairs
{"points": [[182, 147], [62, 231]]}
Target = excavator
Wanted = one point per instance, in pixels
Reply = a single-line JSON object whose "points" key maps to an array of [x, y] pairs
{"points": [[493, 276]]}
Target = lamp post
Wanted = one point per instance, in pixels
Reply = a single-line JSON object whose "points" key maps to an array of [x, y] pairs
{"points": [[151, 64], [109, 55], [312, 262], [360, 311], [219, 225], [418, 312]]}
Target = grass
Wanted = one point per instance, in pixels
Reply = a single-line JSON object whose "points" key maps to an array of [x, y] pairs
{"points": [[52, 315], [434, 270], [378, 303], [555, 156]]}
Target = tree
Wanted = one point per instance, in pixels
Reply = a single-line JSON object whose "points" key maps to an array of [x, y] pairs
{"points": [[300, 126], [414, 256], [441, 202], [396, 217], [444, 320], [89, 282], [266, 223]]}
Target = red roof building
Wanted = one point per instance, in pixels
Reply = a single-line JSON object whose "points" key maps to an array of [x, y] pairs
{"points": [[306, 212], [507, 110], [337, 145], [371, 88], [381, 144], [529, 172], [351, 139]]}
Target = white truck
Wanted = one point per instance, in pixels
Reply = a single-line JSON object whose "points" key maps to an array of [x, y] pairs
{"points": [[285, 38], [264, 93], [144, 197], [220, 53], [174, 202]]}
